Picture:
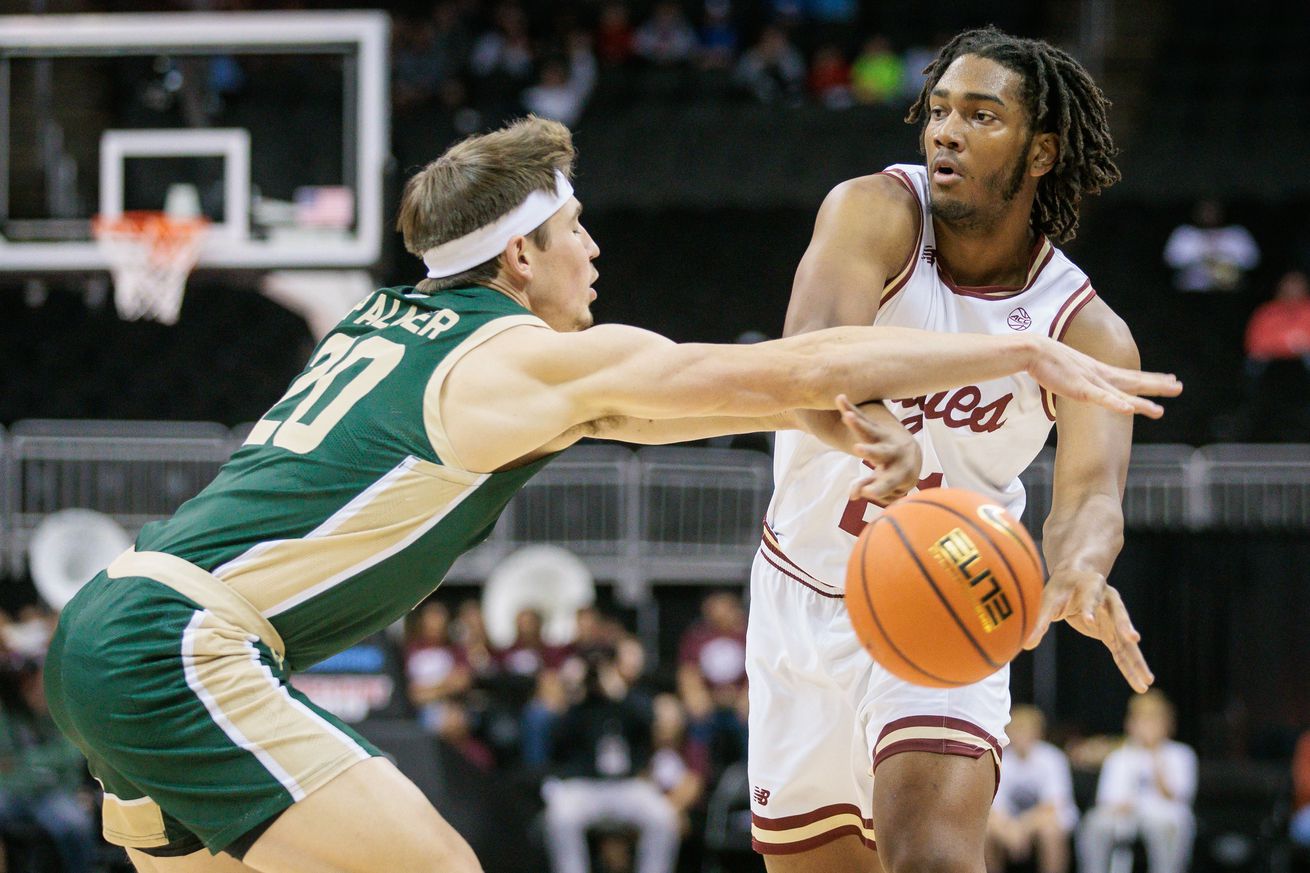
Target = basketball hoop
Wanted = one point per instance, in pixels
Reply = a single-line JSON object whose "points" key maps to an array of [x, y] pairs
{"points": [[150, 256]]}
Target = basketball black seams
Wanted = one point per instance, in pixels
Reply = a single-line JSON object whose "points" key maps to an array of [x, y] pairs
{"points": [[927, 577], [873, 613]]}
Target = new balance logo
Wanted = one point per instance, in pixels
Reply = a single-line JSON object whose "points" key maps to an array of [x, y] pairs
{"points": [[930, 255], [761, 795]]}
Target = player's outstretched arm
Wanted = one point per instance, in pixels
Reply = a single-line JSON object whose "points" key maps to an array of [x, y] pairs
{"points": [[1084, 532], [523, 389]]}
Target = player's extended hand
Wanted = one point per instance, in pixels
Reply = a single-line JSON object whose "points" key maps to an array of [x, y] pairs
{"points": [[881, 440], [1093, 608], [1070, 373]]}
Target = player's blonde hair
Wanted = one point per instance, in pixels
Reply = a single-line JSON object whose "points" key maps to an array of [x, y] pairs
{"points": [[478, 180]]}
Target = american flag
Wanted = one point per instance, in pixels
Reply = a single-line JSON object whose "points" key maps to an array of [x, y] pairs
{"points": [[328, 206]]}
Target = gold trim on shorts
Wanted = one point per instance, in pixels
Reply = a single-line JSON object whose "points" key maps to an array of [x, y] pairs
{"points": [[138, 824], [190, 581]]}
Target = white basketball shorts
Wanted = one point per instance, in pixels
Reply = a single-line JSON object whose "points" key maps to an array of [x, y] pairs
{"points": [[824, 715]]}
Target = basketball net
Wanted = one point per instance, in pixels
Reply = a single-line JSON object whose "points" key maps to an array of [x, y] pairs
{"points": [[150, 255]]}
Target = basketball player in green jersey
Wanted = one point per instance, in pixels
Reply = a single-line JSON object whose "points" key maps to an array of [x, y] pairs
{"points": [[395, 450]]}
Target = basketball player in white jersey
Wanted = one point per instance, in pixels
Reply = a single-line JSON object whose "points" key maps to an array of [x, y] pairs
{"points": [[844, 757]]}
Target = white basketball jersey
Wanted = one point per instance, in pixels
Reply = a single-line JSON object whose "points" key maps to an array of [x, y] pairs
{"points": [[978, 436]]}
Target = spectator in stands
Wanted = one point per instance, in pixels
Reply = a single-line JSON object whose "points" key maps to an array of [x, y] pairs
{"points": [[615, 38], [28, 636], [666, 39], [679, 765], [830, 78], [834, 21], [565, 85], [1209, 255], [915, 60], [1276, 402], [773, 69], [1146, 789], [470, 635], [601, 753], [502, 58], [1034, 804], [877, 73], [41, 772], [631, 662], [436, 673], [453, 42], [495, 703], [592, 631], [529, 654], [712, 678], [788, 14], [1300, 825], [1280, 329], [416, 66], [530, 683], [718, 36]]}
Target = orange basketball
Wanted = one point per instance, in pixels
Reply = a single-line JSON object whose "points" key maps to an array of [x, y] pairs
{"points": [[944, 587]]}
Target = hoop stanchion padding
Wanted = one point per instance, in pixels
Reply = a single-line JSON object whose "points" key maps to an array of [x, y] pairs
{"points": [[150, 256]]}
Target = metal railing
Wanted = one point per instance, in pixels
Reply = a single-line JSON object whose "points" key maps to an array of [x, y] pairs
{"points": [[1237, 493], [134, 472], [655, 514]]}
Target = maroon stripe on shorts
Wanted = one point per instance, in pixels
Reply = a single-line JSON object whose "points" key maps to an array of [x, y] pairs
{"points": [[812, 842], [787, 822], [940, 721], [790, 575], [936, 745]]}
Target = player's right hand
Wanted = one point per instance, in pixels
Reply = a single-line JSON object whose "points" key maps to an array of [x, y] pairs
{"points": [[884, 444], [1067, 372]]}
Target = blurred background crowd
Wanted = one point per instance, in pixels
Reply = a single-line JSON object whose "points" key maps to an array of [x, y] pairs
{"points": [[599, 760]]}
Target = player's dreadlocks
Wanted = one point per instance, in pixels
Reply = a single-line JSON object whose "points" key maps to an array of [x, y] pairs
{"points": [[1061, 99]]}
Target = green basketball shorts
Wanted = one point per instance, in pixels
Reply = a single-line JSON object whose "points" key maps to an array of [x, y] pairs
{"points": [[173, 686]]}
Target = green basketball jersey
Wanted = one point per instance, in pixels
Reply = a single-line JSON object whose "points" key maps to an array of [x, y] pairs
{"points": [[346, 505]]}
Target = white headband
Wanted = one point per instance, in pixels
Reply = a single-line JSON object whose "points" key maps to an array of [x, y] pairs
{"points": [[466, 252]]}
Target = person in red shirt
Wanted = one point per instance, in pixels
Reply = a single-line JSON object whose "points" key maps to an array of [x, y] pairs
{"points": [[830, 78], [438, 676], [1277, 384], [1300, 830], [712, 677], [1280, 329], [614, 36], [435, 666]]}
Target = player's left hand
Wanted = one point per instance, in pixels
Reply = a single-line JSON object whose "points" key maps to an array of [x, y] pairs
{"points": [[1094, 608], [882, 442]]}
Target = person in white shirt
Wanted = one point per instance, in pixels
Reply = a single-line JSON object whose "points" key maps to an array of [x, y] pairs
{"points": [[1146, 789], [1034, 806], [1209, 255]]}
